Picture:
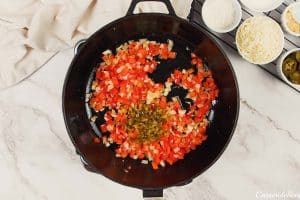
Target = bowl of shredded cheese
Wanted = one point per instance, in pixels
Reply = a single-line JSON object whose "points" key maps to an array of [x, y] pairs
{"points": [[259, 40], [290, 19]]}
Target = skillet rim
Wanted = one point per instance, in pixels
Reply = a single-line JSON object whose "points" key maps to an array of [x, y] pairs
{"points": [[190, 179]]}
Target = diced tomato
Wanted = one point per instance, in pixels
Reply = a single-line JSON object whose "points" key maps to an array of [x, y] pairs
{"points": [[154, 165], [97, 140], [122, 81], [172, 55]]}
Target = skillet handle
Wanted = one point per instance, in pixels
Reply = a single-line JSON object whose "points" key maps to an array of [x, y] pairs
{"points": [[79, 45], [166, 2], [153, 194]]}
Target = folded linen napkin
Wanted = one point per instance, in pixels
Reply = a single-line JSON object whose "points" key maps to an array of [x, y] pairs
{"points": [[32, 31]]}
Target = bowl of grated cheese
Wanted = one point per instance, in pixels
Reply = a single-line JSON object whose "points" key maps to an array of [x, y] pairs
{"points": [[259, 40]]}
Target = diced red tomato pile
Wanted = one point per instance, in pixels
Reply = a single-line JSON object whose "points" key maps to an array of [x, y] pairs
{"points": [[122, 82]]}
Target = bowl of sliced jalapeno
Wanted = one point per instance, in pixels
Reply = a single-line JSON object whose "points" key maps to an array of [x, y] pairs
{"points": [[289, 67]]}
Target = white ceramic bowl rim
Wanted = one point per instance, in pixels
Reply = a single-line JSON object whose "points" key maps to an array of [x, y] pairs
{"points": [[238, 18], [274, 6]]}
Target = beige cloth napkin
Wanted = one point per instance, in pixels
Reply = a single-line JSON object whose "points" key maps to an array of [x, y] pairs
{"points": [[32, 31]]}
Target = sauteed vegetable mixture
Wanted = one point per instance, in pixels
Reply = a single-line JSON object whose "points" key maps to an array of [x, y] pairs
{"points": [[140, 119]]}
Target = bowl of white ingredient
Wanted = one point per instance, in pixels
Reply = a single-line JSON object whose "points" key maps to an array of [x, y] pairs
{"points": [[261, 5], [221, 15], [259, 40]]}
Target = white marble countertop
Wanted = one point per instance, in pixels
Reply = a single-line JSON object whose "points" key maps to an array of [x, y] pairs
{"points": [[38, 161]]}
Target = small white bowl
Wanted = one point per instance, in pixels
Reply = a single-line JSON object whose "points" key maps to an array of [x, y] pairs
{"points": [[283, 20], [267, 61], [275, 4], [234, 24], [279, 68]]}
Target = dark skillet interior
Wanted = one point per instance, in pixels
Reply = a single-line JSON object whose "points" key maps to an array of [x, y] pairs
{"points": [[157, 27]]}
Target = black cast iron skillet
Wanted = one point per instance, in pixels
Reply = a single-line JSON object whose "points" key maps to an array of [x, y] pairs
{"points": [[187, 38]]}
